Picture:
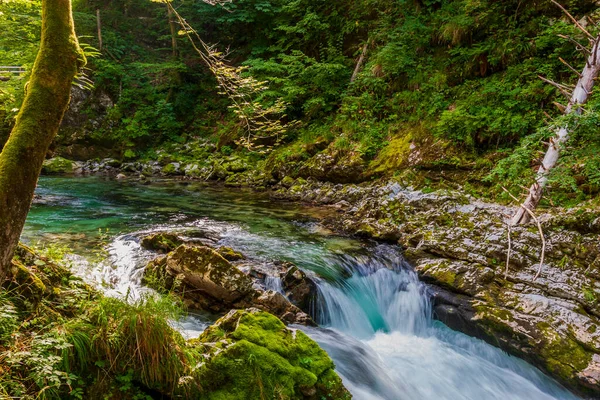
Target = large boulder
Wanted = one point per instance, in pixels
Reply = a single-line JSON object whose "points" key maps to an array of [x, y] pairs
{"points": [[252, 355], [58, 165], [334, 166], [207, 281], [207, 271]]}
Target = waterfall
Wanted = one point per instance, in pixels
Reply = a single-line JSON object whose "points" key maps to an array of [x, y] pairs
{"points": [[384, 301], [380, 332]]}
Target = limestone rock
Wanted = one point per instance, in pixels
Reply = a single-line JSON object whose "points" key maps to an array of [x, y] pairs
{"points": [[299, 288], [205, 270], [276, 304], [334, 166], [161, 241], [229, 254]]}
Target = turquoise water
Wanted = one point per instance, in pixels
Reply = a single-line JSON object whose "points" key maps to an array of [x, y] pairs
{"points": [[375, 315], [85, 211]]}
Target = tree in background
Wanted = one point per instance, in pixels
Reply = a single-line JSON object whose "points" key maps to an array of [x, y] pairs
{"points": [[47, 98]]}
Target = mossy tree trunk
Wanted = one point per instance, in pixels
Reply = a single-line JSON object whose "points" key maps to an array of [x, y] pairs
{"points": [[47, 97]]}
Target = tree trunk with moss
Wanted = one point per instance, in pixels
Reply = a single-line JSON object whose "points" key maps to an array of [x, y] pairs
{"points": [[47, 97]]}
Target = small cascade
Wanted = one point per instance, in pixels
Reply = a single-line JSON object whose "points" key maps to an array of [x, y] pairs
{"points": [[274, 283], [375, 300]]}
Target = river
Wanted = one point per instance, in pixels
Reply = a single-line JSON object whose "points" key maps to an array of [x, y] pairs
{"points": [[374, 314]]}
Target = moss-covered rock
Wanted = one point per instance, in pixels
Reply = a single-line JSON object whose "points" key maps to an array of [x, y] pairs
{"points": [[161, 241], [334, 166], [252, 355], [171, 169], [229, 254], [394, 156], [57, 165], [208, 272], [287, 182]]}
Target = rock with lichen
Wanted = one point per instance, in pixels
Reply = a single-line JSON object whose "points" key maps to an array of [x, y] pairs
{"points": [[334, 166], [206, 280], [209, 273], [229, 254], [163, 242]]}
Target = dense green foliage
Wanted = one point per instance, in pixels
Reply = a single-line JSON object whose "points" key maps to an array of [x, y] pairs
{"points": [[458, 79], [61, 339]]}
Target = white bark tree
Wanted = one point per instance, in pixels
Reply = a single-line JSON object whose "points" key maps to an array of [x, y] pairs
{"points": [[578, 98]]}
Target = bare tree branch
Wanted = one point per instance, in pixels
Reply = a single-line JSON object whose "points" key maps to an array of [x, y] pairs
{"points": [[540, 230], [258, 120], [577, 24], [570, 67]]}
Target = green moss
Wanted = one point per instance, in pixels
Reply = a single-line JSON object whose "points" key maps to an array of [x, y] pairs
{"points": [[57, 165], [229, 254], [589, 295], [29, 278], [287, 181], [563, 356], [394, 155], [169, 169], [260, 358], [443, 275], [161, 241], [494, 320]]}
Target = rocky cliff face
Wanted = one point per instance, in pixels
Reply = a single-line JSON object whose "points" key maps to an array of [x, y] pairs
{"points": [[460, 245]]}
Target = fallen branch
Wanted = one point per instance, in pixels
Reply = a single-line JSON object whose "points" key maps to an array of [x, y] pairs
{"points": [[541, 231], [578, 46], [577, 24], [508, 253], [562, 60]]}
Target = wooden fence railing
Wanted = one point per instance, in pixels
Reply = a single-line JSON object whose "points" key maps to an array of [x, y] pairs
{"points": [[7, 70], [11, 69]]}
